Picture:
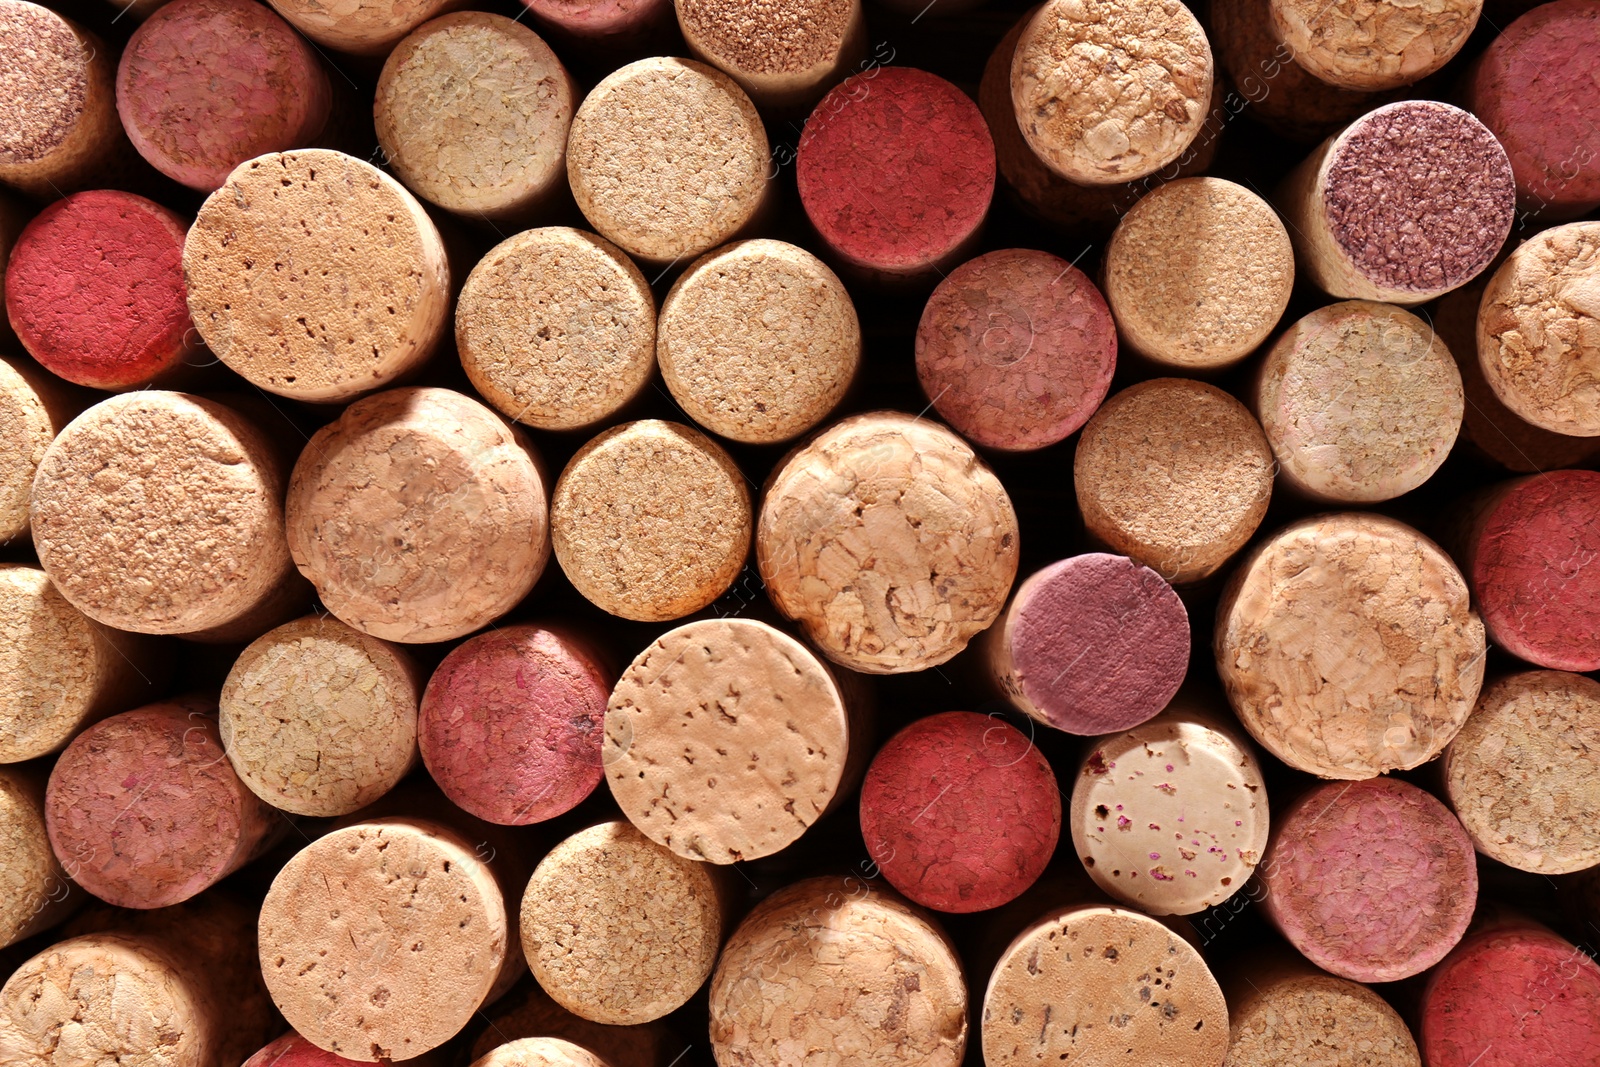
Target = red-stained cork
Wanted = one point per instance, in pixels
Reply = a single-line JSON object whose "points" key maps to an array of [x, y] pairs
{"points": [[292, 1050], [960, 811], [602, 20]]}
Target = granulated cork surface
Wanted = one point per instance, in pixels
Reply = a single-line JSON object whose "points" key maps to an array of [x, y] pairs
{"points": [[45, 88], [360, 27], [1370, 44], [28, 424], [768, 37], [1316, 1020], [33, 885]]}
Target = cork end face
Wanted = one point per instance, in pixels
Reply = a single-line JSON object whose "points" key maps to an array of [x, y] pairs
{"points": [[361, 27], [44, 89], [28, 425], [32, 881], [789, 47], [1321, 1020], [1373, 48], [51, 663], [540, 1052]]}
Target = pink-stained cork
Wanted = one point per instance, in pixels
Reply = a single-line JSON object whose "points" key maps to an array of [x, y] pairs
{"points": [[601, 20], [292, 1050]]}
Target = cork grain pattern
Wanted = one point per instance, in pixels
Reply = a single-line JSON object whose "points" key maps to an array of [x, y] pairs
{"points": [[1369, 45], [30, 418], [540, 1052], [34, 891], [58, 116], [1315, 1020], [360, 27], [768, 39]]}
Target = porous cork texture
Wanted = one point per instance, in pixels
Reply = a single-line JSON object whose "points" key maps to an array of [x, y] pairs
{"points": [[1174, 473], [540, 1052], [1304, 1018], [528, 1011], [651, 521], [667, 158], [1198, 273], [726, 739], [292, 1050], [472, 112], [419, 515], [1360, 401], [618, 929], [758, 341], [316, 276], [602, 23], [889, 541], [35, 892], [33, 409], [831, 963], [360, 27], [1348, 646], [1108, 93], [1369, 45], [782, 54]]}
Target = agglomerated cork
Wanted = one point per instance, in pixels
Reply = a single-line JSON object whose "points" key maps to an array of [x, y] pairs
{"points": [[1368, 45], [419, 515], [360, 27], [1288, 1014], [831, 963], [316, 276], [33, 409], [35, 890], [1360, 401], [1348, 646], [782, 54], [528, 1011], [758, 341], [667, 158], [540, 1052]]}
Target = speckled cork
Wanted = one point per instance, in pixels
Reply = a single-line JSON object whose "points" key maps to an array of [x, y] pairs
{"points": [[603, 23], [716, 702], [1174, 473], [1015, 349], [1369, 46], [834, 963], [540, 1052], [33, 409], [758, 341], [472, 113], [1285, 1013], [1360, 401], [783, 54], [528, 1011], [35, 890], [419, 515], [360, 27], [1348, 646]]}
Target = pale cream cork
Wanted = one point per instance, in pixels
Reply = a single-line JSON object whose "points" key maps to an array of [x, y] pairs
{"points": [[758, 341], [783, 54], [35, 890], [1174, 473], [540, 1052], [528, 1011], [1348, 646], [316, 276], [34, 407], [556, 328], [360, 27], [1283, 1012], [1373, 44], [727, 739], [668, 158], [1360, 401], [838, 964], [419, 515], [651, 521], [889, 541], [1198, 273]]}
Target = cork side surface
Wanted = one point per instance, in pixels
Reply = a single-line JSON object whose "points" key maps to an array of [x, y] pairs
{"points": [[34, 888], [28, 425]]}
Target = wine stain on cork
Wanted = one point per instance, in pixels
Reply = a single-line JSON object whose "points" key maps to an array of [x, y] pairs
{"points": [[1370, 46], [1316, 1020]]}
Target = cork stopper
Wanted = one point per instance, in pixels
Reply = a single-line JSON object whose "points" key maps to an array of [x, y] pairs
{"points": [[1174, 473], [1373, 46], [667, 158], [35, 891], [292, 1050], [651, 521], [607, 24], [1198, 273], [33, 409], [1296, 1016], [889, 540], [316, 276], [833, 963], [758, 341], [540, 1052], [360, 27], [528, 1011], [1360, 401], [1348, 646], [419, 515], [472, 111], [776, 705], [783, 55]]}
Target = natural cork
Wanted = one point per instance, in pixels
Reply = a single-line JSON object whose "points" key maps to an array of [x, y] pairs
{"points": [[316, 276], [35, 890], [419, 515], [1288, 1014], [758, 341], [33, 409], [833, 963], [609, 25], [726, 739], [360, 27], [651, 521], [782, 54], [528, 1011], [1369, 45], [889, 540], [540, 1052], [1348, 646]]}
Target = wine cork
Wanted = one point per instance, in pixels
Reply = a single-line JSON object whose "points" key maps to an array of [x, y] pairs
{"points": [[758, 341], [668, 159], [960, 811], [1348, 646], [316, 276], [528, 1011], [14, 215], [363, 28], [36, 892], [472, 112], [783, 55], [419, 515], [832, 963], [161, 513], [1174, 473], [1536, 341], [896, 171], [1360, 401], [512, 721], [540, 1052], [1288, 1014], [33, 409], [292, 1050], [1015, 349], [607, 25], [1198, 274], [858, 526], [1405, 204], [95, 290], [1383, 46], [651, 521], [717, 701]]}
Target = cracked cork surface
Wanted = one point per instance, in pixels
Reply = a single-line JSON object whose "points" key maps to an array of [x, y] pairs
{"points": [[1295, 1016], [782, 53], [360, 27], [540, 1052], [1369, 45], [528, 1011], [35, 893], [33, 409]]}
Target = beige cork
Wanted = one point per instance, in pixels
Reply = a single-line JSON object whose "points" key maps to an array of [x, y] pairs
{"points": [[1283, 1012], [35, 890], [557, 328], [667, 158], [1539, 330], [360, 27], [783, 54], [726, 739], [758, 341], [651, 521], [316, 276], [472, 111], [528, 1011], [1174, 473], [837, 964], [1373, 44], [1360, 401], [419, 515], [1348, 646], [540, 1052], [34, 407]]}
